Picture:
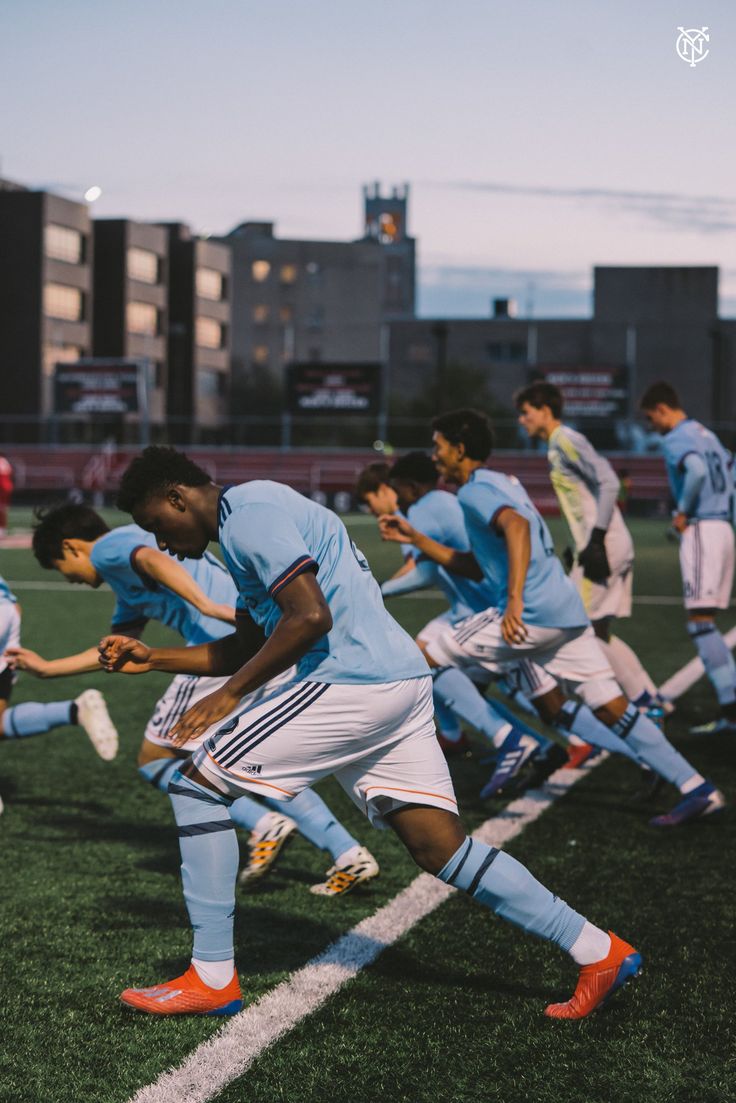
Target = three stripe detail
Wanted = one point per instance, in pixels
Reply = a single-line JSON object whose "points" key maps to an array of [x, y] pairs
{"points": [[285, 711]]}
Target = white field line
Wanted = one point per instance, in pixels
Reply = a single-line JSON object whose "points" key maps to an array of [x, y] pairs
{"points": [[226, 1056]]}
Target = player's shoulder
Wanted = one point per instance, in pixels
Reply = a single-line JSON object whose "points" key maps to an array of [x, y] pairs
{"points": [[485, 485], [256, 492], [570, 444], [115, 547]]}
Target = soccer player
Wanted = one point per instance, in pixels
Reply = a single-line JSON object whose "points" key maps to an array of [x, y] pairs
{"points": [[538, 615], [438, 514], [587, 489], [195, 599], [306, 596], [701, 479], [88, 710]]}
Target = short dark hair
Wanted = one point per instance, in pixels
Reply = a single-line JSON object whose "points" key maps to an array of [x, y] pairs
{"points": [[660, 392], [63, 522], [415, 467], [540, 393], [469, 427], [153, 472], [372, 478]]}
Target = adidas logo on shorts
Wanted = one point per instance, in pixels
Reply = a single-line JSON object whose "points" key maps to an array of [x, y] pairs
{"points": [[251, 769]]}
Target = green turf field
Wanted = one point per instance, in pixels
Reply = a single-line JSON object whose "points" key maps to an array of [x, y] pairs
{"points": [[91, 903]]}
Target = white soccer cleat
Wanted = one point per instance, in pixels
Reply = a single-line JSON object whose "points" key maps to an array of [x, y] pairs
{"points": [[92, 715], [343, 879], [265, 846]]}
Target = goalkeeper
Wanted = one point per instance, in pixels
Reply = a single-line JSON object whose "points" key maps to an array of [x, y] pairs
{"points": [[603, 560]]}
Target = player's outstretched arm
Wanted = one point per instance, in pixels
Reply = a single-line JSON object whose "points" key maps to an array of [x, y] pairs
{"points": [[399, 531], [515, 531], [22, 658], [124, 655], [305, 618], [165, 570]]}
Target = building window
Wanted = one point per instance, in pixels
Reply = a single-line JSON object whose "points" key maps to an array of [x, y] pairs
{"points": [[288, 273], [211, 384], [260, 270], [59, 354], [142, 318], [260, 354], [260, 314], [210, 284], [313, 268], [63, 243], [66, 303], [507, 352], [286, 314], [209, 334], [142, 265]]}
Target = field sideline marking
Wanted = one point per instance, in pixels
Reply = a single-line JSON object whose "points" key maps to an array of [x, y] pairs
{"points": [[226, 1056]]}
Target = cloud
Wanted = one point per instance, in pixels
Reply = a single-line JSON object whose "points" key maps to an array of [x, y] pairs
{"points": [[707, 214]]}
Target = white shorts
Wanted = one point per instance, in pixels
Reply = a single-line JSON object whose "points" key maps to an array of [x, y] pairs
{"points": [[707, 562], [9, 630], [434, 629], [611, 598], [183, 693], [378, 740], [571, 655]]}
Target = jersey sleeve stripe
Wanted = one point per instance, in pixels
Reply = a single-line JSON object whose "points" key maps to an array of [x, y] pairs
{"points": [[299, 566], [498, 513], [142, 573]]}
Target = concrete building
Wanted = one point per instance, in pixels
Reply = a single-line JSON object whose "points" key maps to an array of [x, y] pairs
{"points": [[131, 274], [46, 299], [321, 301], [647, 324], [199, 336]]}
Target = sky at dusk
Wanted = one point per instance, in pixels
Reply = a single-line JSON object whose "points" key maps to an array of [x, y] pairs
{"points": [[539, 137]]}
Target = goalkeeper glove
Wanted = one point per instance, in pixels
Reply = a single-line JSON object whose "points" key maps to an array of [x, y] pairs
{"points": [[593, 558]]}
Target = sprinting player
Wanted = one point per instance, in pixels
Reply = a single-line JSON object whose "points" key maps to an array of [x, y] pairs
{"points": [[306, 596], [539, 615], [195, 599], [587, 489], [438, 514], [701, 478], [88, 710]]}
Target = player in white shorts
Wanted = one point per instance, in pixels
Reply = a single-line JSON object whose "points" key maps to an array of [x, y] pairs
{"points": [[700, 472], [538, 615], [603, 562], [306, 596], [196, 599], [88, 710]]}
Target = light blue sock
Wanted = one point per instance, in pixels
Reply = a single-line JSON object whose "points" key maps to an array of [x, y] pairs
{"points": [[316, 822], [246, 812], [457, 692], [576, 717], [446, 720], [498, 881], [160, 772], [517, 697], [33, 718], [716, 658], [209, 865], [652, 747]]}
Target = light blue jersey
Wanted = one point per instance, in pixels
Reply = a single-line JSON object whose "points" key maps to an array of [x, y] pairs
{"points": [[270, 534], [141, 598], [550, 598], [439, 515], [690, 437], [6, 593]]}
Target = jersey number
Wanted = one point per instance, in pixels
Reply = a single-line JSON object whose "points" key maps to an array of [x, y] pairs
{"points": [[359, 557], [717, 474]]}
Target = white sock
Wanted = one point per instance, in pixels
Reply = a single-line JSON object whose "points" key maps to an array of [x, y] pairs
{"points": [[216, 974], [348, 856], [592, 944], [691, 783], [501, 734], [630, 674]]}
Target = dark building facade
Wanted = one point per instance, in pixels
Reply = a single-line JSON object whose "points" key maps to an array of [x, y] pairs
{"points": [[199, 335], [131, 274], [320, 301], [648, 324], [46, 298]]}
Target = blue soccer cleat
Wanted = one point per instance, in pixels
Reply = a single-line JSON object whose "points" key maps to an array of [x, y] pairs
{"points": [[513, 753], [703, 801]]}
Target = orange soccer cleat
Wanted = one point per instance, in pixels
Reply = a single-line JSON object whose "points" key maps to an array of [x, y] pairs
{"points": [[186, 995], [599, 981], [577, 754]]}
